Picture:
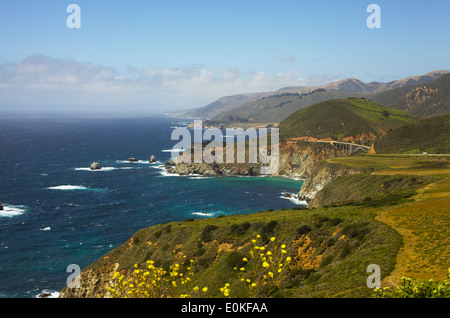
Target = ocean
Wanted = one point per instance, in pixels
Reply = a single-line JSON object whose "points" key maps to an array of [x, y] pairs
{"points": [[58, 212]]}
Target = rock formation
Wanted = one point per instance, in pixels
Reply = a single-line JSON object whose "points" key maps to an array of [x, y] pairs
{"points": [[133, 160], [1, 206], [152, 159], [95, 166]]}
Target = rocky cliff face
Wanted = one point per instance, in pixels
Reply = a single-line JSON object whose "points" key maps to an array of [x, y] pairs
{"points": [[93, 282], [321, 175], [298, 158]]}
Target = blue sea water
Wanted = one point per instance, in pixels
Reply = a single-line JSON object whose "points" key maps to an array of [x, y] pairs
{"points": [[58, 212]]}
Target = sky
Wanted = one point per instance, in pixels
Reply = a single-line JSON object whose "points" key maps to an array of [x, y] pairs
{"points": [[147, 56]]}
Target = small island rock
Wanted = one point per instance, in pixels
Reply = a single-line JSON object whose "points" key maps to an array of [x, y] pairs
{"points": [[133, 160], [152, 159], [95, 166]]}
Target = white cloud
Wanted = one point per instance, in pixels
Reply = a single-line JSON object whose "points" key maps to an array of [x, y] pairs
{"points": [[40, 80]]}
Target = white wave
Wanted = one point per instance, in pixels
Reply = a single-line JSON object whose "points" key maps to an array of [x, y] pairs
{"points": [[12, 210], [48, 294], [163, 172], [170, 150], [198, 177], [73, 187], [203, 214], [48, 228], [139, 161], [102, 169], [166, 174], [294, 199]]}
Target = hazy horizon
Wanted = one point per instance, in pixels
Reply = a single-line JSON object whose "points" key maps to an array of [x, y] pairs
{"points": [[149, 57]]}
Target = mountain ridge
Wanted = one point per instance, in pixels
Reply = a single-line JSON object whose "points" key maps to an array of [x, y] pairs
{"points": [[422, 100], [336, 89]]}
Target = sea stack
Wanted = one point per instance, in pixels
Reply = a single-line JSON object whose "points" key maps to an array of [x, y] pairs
{"points": [[95, 166], [152, 159], [133, 160]]}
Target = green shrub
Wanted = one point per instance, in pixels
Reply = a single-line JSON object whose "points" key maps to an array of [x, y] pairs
{"points": [[240, 229], [326, 261], [235, 259], [206, 235], [267, 231], [335, 221], [304, 229], [411, 288], [346, 249]]}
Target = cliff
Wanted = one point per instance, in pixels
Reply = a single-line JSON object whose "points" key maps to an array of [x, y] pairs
{"points": [[298, 158], [320, 176]]}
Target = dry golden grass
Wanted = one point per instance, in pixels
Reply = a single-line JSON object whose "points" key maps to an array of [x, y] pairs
{"points": [[425, 227], [424, 224]]}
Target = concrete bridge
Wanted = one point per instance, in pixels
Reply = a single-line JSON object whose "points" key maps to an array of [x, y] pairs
{"points": [[347, 146]]}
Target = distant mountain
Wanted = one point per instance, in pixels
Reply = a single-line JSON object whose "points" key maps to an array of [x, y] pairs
{"points": [[222, 104], [275, 108], [431, 135], [351, 119], [270, 107], [423, 100]]}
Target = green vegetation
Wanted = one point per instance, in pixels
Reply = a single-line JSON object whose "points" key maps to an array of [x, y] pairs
{"points": [[337, 119], [409, 193], [367, 189], [412, 288], [431, 135], [312, 239]]}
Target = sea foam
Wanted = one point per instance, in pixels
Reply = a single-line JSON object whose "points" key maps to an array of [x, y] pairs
{"points": [[12, 210], [102, 169], [293, 199], [203, 214], [73, 187]]}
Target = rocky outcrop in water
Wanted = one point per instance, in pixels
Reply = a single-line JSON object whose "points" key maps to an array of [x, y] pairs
{"points": [[95, 166], [152, 159]]}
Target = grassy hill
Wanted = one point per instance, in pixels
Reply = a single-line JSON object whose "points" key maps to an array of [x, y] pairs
{"points": [[426, 100], [330, 252], [411, 194], [394, 214], [431, 135], [343, 118]]}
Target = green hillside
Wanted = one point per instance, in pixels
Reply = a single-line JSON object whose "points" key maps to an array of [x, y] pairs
{"points": [[329, 251], [341, 118], [426, 100], [431, 135]]}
